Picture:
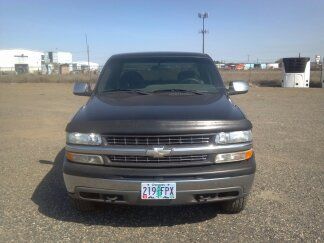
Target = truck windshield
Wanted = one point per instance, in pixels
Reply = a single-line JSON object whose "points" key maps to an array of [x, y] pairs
{"points": [[154, 74]]}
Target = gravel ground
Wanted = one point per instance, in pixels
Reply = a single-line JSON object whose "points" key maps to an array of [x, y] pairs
{"points": [[286, 203]]}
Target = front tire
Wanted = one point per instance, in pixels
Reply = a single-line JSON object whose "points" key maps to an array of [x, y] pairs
{"points": [[234, 206]]}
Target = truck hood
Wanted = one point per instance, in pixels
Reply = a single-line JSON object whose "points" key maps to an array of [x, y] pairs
{"points": [[124, 113]]}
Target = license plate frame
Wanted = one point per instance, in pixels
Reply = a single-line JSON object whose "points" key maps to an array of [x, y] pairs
{"points": [[158, 190]]}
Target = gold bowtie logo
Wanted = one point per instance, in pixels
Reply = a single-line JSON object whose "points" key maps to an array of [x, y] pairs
{"points": [[158, 152]]}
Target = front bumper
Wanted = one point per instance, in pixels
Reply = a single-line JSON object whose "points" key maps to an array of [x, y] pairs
{"points": [[128, 191], [194, 185]]}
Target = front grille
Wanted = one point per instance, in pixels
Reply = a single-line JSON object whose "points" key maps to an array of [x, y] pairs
{"points": [[157, 140], [147, 159]]}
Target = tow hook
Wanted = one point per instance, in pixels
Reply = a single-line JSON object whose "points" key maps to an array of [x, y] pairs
{"points": [[111, 198], [205, 197]]}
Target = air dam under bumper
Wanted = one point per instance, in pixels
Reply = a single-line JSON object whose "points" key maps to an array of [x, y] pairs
{"points": [[189, 191]]}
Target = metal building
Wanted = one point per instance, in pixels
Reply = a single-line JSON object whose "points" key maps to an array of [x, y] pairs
{"points": [[83, 65], [59, 57], [272, 65], [20, 60], [248, 66]]}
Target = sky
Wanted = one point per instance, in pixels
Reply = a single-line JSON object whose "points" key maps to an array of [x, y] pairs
{"points": [[261, 30]]}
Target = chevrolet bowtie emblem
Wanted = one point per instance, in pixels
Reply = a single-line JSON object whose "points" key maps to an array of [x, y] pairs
{"points": [[158, 152]]}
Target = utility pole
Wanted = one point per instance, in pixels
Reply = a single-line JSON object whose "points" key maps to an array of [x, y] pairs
{"points": [[203, 16], [249, 68], [86, 39], [321, 80]]}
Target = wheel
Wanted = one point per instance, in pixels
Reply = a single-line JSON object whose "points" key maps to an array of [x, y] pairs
{"points": [[234, 206], [82, 205]]}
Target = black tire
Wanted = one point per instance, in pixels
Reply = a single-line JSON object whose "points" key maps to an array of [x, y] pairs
{"points": [[83, 206], [234, 206]]}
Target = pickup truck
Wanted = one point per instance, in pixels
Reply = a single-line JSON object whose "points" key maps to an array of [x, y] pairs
{"points": [[159, 128]]}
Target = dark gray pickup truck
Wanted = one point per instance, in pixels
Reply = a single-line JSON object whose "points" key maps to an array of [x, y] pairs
{"points": [[159, 129]]}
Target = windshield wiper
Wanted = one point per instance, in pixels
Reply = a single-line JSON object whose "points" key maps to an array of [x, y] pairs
{"points": [[177, 90], [126, 90]]}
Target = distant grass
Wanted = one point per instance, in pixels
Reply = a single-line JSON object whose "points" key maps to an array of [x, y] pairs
{"points": [[266, 78], [37, 78]]}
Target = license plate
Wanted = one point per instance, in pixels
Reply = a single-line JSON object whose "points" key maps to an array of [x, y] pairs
{"points": [[157, 190]]}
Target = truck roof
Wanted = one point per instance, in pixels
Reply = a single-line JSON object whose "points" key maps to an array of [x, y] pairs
{"points": [[160, 54]]}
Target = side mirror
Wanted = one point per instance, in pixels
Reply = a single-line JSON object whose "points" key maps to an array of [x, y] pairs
{"points": [[238, 87], [82, 89]]}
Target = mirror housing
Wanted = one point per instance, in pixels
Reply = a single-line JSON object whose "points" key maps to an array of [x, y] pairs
{"points": [[82, 89], [238, 87]]}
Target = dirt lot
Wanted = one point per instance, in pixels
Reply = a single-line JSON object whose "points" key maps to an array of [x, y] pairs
{"points": [[286, 203]]}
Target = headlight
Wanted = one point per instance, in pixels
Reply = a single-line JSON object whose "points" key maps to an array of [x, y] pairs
{"points": [[85, 158], [233, 137], [234, 156], [83, 138]]}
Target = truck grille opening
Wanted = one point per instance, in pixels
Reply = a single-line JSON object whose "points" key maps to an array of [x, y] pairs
{"points": [[158, 140], [168, 159]]}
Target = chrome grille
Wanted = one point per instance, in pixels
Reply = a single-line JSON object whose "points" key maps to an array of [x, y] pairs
{"points": [[157, 140], [147, 159]]}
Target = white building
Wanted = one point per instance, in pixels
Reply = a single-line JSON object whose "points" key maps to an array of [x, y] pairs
{"points": [[59, 57], [20, 60], [83, 65], [220, 65], [64, 57], [272, 65]]}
